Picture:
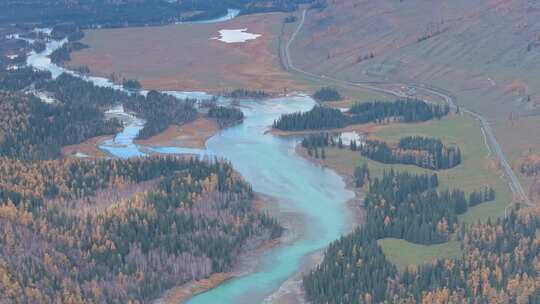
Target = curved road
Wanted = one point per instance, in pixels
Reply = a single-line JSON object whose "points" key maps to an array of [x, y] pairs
{"points": [[491, 142]]}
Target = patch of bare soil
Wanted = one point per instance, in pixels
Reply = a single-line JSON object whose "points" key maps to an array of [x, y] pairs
{"points": [[190, 135]]}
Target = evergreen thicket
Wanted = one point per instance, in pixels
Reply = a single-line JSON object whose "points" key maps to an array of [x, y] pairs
{"points": [[111, 14], [361, 175], [37, 130], [34, 130], [160, 111], [132, 84], [378, 112], [424, 152], [530, 168], [316, 140], [327, 94], [316, 119], [21, 78], [62, 54], [409, 110], [399, 205], [245, 93], [225, 116]]}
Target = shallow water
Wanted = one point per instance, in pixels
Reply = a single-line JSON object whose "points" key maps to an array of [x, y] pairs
{"points": [[231, 14], [270, 164]]}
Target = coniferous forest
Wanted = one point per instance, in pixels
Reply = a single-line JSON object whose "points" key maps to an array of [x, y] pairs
{"points": [[174, 220], [407, 206], [158, 109], [327, 94], [35, 130], [88, 13], [320, 118], [424, 152], [110, 230], [107, 230], [225, 116]]}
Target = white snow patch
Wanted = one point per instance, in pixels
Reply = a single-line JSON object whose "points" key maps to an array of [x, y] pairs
{"points": [[236, 36], [80, 155], [348, 137]]}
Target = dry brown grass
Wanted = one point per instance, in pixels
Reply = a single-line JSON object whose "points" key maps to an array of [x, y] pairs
{"points": [[190, 135], [88, 147], [183, 57]]}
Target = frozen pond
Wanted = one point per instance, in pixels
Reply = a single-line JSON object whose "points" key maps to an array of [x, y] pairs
{"points": [[236, 36]]}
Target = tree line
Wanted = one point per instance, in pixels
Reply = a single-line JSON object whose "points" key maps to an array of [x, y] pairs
{"points": [[399, 205], [319, 117], [246, 94], [62, 54], [327, 94], [106, 14], [409, 110], [35, 130], [530, 168], [226, 116], [42, 129], [160, 111], [421, 151], [19, 79]]}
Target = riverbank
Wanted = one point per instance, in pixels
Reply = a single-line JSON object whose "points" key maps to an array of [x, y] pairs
{"points": [[88, 148], [291, 291], [362, 128], [190, 135], [355, 205], [247, 260]]}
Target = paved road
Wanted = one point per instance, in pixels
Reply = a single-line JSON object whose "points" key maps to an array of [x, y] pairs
{"points": [[386, 87]]}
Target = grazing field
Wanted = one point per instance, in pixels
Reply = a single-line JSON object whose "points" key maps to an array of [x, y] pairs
{"points": [[487, 53], [402, 253], [476, 171], [185, 57]]}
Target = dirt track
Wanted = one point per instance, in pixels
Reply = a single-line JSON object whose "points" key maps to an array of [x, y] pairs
{"points": [[390, 88]]}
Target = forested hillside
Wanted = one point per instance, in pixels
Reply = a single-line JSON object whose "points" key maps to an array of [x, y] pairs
{"points": [[192, 221], [32, 129]]}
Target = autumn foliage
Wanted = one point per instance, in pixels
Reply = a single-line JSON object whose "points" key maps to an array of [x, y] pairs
{"points": [[192, 222]]}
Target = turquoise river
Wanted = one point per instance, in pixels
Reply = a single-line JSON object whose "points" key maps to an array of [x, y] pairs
{"points": [[316, 195]]}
